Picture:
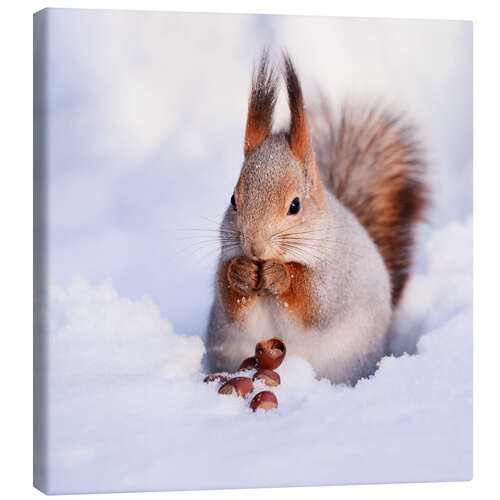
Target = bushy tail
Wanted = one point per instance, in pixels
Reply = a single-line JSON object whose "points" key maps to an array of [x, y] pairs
{"points": [[372, 163]]}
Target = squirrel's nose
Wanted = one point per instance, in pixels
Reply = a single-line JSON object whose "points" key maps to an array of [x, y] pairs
{"points": [[257, 249], [254, 247]]}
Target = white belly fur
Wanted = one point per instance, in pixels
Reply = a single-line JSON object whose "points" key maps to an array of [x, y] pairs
{"points": [[347, 350]]}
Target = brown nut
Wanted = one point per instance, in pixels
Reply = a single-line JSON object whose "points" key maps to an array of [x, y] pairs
{"points": [[248, 364], [270, 353], [240, 386], [269, 377], [264, 400], [219, 377]]}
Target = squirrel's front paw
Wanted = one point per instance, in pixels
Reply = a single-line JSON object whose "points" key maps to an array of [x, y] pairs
{"points": [[243, 275], [274, 278]]}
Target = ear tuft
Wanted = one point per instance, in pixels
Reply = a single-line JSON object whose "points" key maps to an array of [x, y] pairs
{"points": [[298, 136], [261, 104]]}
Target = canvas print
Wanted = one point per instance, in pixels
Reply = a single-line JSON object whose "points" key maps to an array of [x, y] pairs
{"points": [[253, 251]]}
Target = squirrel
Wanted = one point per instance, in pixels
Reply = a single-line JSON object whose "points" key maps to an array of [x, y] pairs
{"points": [[317, 241]]}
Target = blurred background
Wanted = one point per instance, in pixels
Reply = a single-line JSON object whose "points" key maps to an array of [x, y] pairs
{"points": [[146, 122]]}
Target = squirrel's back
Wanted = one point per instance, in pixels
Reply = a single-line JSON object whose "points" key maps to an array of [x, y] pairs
{"points": [[371, 162]]}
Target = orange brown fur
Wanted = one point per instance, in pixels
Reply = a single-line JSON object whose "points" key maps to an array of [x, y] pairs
{"points": [[274, 278], [297, 293], [299, 297], [298, 135], [371, 163], [232, 300], [263, 95]]}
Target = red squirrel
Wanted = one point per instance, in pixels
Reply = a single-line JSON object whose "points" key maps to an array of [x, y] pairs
{"points": [[317, 241]]}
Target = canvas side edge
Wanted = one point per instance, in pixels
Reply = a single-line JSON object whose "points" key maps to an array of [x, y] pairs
{"points": [[40, 479]]}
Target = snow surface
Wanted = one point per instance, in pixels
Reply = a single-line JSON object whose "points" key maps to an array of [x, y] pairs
{"points": [[136, 156], [129, 410]]}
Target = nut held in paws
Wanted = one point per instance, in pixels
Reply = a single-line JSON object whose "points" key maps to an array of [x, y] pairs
{"points": [[269, 377], [265, 400], [240, 386], [270, 353]]}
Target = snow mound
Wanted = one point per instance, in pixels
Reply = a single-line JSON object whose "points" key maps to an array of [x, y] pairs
{"points": [[97, 335], [440, 289]]}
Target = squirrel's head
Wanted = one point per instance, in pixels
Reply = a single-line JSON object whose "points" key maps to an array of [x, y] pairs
{"points": [[278, 202]]}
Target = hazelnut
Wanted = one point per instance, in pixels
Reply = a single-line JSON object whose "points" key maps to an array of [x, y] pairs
{"points": [[248, 364], [212, 377], [240, 386], [264, 400], [269, 377], [270, 353]]}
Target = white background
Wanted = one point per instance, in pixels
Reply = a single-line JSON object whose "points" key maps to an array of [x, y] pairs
{"points": [[16, 218]]}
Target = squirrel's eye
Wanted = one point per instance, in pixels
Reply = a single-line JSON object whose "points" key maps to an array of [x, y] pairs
{"points": [[294, 207], [233, 202]]}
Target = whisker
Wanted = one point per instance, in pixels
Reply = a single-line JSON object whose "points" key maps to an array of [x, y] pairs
{"points": [[307, 245], [220, 230], [299, 252], [324, 240], [309, 231], [197, 246]]}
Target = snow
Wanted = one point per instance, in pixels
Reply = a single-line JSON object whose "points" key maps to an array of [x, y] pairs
{"points": [[128, 307], [96, 333], [135, 426]]}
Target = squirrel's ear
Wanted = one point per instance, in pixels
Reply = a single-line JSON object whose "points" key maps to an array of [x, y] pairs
{"points": [[261, 104], [299, 135]]}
